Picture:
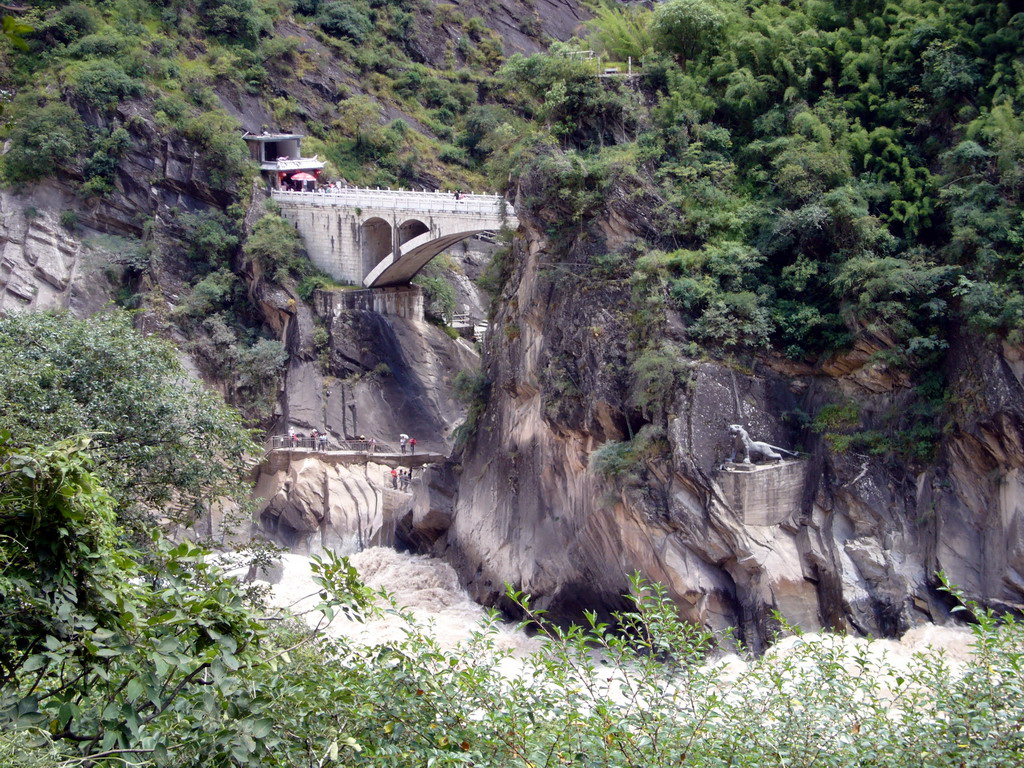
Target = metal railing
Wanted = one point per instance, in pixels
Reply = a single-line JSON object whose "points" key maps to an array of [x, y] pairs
{"points": [[305, 443], [405, 200]]}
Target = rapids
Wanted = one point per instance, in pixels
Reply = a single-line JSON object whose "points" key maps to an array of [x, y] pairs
{"points": [[429, 590], [426, 587]]}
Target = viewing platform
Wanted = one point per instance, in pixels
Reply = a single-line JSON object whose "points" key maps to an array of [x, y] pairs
{"points": [[349, 452]]}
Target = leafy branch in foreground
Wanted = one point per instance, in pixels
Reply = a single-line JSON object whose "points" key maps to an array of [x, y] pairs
{"points": [[114, 655]]}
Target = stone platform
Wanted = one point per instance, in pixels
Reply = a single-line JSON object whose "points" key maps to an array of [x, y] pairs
{"points": [[763, 494]]}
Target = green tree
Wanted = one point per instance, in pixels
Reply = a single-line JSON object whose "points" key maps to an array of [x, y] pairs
{"points": [[43, 140], [108, 653], [162, 444], [622, 31], [686, 28]]}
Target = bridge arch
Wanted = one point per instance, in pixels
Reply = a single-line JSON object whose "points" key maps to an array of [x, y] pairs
{"points": [[377, 241], [400, 267], [409, 229], [382, 237]]}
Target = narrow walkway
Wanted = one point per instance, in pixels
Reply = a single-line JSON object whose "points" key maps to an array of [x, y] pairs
{"points": [[278, 458]]}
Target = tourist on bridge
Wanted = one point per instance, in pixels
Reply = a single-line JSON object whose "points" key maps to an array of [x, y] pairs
{"points": [[403, 440], [313, 438], [412, 445], [323, 440], [394, 478], [373, 445], [293, 438]]}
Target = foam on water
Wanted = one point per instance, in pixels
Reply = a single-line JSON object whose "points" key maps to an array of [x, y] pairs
{"points": [[429, 590], [426, 587]]}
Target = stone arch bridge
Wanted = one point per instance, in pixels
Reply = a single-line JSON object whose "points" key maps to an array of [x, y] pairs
{"points": [[378, 237]]}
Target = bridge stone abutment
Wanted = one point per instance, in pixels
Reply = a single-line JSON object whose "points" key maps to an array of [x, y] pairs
{"points": [[383, 237]]}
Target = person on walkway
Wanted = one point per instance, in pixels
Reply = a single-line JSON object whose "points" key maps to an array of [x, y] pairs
{"points": [[394, 478], [412, 445], [373, 445], [312, 439], [293, 438], [323, 441], [403, 439]]}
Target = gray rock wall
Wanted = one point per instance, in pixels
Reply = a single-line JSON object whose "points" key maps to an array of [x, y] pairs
{"points": [[844, 540], [311, 506], [43, 264]]}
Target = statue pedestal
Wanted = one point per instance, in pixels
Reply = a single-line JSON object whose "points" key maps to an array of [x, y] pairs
{"points": [[733, 466], [763, 494]]}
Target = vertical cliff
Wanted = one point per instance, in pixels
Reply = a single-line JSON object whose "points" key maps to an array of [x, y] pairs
{"points": [[844, 536]]}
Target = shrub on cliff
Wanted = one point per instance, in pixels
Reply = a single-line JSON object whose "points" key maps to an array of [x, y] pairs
{"points": [[102, 83], [66, 25], [224, 154], [344, 19], [275, 246], [43, 141], [209, 237], [234, 20]]}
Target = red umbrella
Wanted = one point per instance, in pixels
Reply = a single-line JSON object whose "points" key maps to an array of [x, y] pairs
{"points": [[303, 176]]}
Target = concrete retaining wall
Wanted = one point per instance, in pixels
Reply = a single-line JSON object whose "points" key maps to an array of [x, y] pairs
{"points": [[764, 494], [402, 301]]}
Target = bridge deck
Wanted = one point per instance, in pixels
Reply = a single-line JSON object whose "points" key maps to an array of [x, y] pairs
{"points": [[401, 200]]}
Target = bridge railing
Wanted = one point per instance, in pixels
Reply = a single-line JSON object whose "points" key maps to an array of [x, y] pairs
{"points": [[404, 200]]}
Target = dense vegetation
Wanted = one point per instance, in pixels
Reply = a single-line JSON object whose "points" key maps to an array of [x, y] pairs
{"points": [[822, 170], [162, 446], [812, 172], [801, 176]]}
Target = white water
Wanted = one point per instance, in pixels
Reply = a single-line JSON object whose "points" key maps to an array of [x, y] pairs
{"points": [[425, 587], [429, 590]]}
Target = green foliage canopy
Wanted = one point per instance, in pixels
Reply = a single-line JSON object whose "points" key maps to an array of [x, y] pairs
{"points": [[686, 28], [162, 444], [44, 141]]}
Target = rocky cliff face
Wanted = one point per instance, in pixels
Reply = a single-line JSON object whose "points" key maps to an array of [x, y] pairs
{"points": [[63, 251], [833, 539], [311, 505], [42, 264]]}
